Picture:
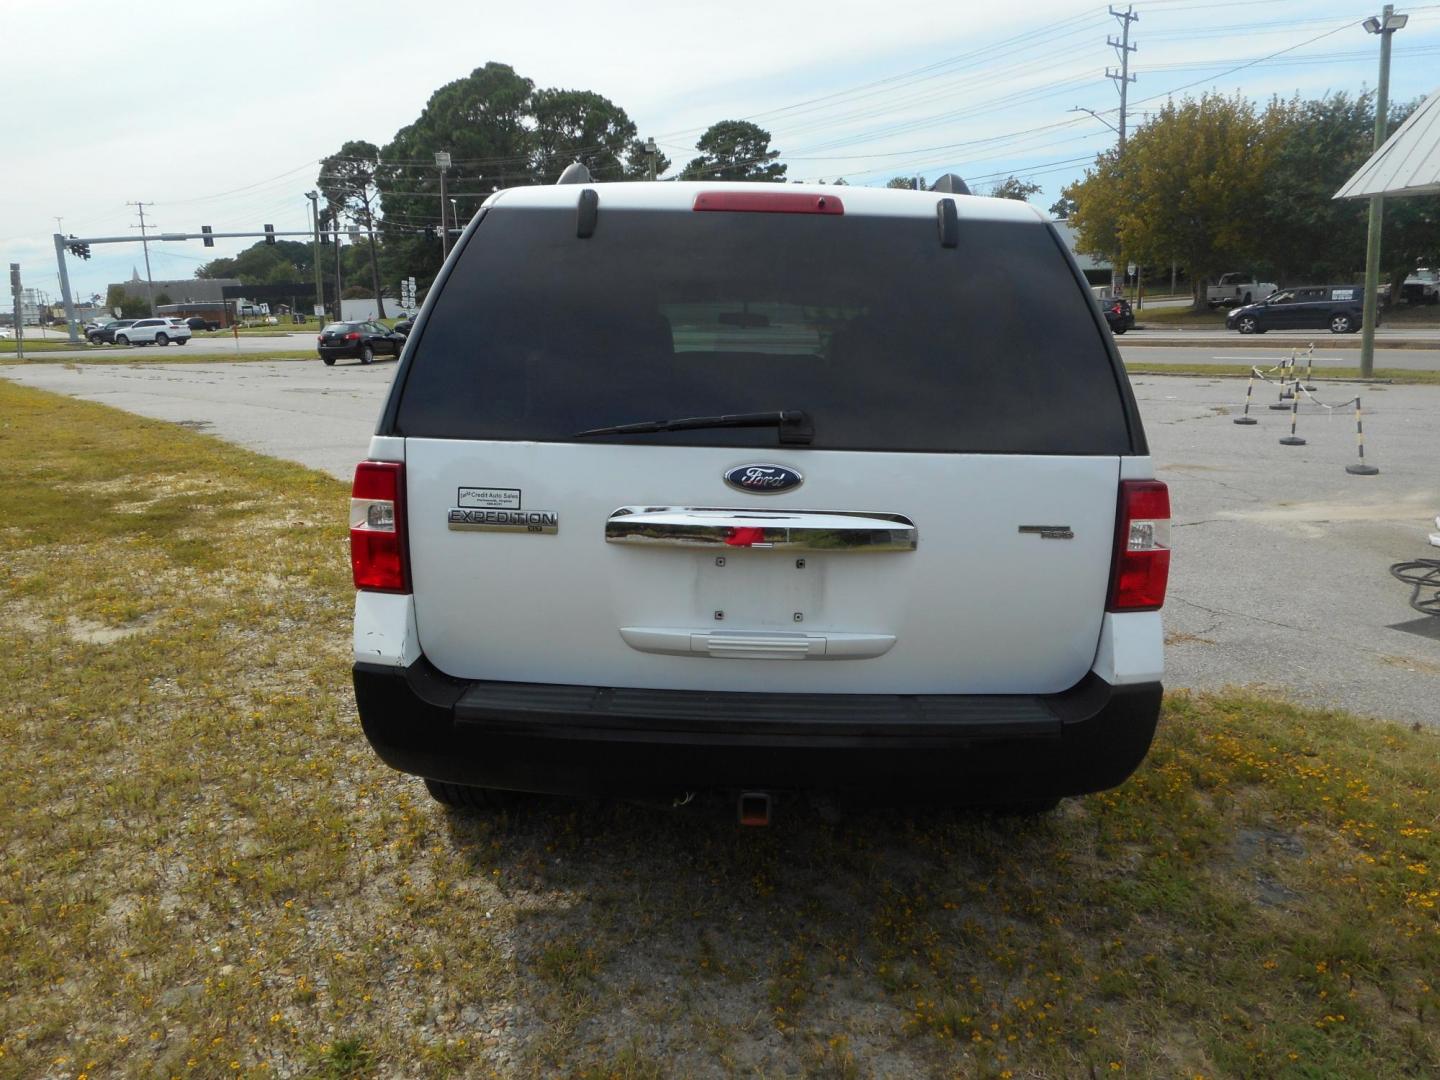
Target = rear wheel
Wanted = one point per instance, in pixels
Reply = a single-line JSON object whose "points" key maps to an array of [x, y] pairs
{"points": [[463, 797], [329, 361], [1247, 324], [367, 355], [182, 341], [1120, 329], [162, 339], [1341, 324]]}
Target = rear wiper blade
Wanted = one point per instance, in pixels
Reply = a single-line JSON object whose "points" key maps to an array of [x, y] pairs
{"points": [[794, 425]]}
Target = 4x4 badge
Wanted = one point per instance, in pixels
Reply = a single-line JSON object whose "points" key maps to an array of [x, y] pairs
{"points": [[763, 479]]}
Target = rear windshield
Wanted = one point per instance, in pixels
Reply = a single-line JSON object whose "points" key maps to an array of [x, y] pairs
{"points": [[337, 327], [888, 340]]}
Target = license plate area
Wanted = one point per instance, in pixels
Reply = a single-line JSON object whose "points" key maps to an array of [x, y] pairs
{"points": [[761, 589]]}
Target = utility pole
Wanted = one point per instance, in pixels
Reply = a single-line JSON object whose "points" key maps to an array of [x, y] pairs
{"points": [[19, 314], [319, 305], [1385, 26], [652, 152], [1122, 80], [442, 162], [1123, 49], [149, 284]]}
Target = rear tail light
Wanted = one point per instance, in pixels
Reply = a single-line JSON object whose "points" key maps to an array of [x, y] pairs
{"points": [[1142, 547], [319, 337], [352, 337], [377, 528]]}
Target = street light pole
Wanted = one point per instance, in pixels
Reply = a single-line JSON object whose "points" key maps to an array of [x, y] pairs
{"points": [[442, 162], [1385, 26]]}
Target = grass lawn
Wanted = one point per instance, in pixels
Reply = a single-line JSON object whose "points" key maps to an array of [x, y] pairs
{"points": [[1385, 375], [207, 873]]}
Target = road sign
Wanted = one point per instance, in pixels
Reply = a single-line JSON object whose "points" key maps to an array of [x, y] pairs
{"points": [[1130, 270]]}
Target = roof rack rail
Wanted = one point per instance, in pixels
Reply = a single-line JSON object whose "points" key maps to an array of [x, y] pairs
{"points": [[574, 173]]}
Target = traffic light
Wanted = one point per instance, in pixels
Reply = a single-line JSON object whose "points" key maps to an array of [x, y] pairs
{"points": [[323, 224], [431, 233], [270, 234], [207, 241], [84, 250], [79, 248]]}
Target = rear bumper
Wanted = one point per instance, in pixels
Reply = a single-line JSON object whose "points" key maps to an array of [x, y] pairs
{"points": [[602, 740]]}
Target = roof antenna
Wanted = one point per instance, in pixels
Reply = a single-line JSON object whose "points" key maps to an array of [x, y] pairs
{"points": [[575, 173], [951, 184]]}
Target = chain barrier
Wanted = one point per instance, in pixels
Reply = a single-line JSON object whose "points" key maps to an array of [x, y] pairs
{"points": [[1291, 387]]}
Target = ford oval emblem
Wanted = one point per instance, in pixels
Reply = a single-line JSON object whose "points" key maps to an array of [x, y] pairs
{"points": [[763, 479]]}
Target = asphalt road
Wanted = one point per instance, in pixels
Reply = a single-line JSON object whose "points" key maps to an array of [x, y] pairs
{"points": [[1280, 575]]}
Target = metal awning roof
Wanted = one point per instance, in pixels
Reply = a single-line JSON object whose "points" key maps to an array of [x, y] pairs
{"points": [[1408, 163]]}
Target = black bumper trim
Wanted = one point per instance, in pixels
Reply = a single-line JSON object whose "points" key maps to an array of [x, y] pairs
{"points": [[579, 739]]}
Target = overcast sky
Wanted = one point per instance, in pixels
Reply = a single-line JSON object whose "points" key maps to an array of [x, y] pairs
{"points": [[218, 114]]}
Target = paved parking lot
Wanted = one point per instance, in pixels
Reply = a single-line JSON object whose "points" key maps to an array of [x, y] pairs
{"points": [[1280, 577]]}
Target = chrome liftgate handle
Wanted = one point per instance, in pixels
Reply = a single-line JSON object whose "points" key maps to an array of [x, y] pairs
{"points": [[780, 530]]}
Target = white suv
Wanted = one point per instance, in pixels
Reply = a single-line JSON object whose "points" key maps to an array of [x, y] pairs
{"points": [[733, 486], [154, 332]]}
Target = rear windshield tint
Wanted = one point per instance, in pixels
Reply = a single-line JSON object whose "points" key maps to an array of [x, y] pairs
{"points": [[887, 339]]}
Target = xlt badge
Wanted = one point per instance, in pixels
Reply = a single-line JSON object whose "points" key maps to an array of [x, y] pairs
{"points": [[763, 479]]}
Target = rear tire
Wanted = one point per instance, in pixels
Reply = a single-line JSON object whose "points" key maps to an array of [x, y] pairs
{"points": [[1341, 324], [329, 361], [162, 340], [367, 355], [463, 797], [1120, 329], [182, 341]]}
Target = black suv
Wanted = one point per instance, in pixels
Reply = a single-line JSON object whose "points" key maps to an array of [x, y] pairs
{"points": [[1303, 307]]}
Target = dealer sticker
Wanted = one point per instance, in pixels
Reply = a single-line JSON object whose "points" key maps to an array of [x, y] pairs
{"points": [[489, 498]]}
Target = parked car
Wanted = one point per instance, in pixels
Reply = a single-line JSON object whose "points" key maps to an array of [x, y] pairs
{"points": [[1119, 315], [1422, 287], [405, 325], [1338, 308], [153, 332], [1234, 289], [6, 332], [105, 335], [361, 341], [716, 486], [195, 322]]}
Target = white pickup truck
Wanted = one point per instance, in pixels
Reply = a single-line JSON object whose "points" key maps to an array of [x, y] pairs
{"points": [[1235, 289]]}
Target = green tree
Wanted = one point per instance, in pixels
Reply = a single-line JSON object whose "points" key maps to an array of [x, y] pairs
{"points": [[577, 125], [483, 121], [130, 305], [1183, 191], [222, 267], [1062, 207], [162, 298], [637, 162], [348, 181], [1012, 187], [735, 150], [906, 182]]}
